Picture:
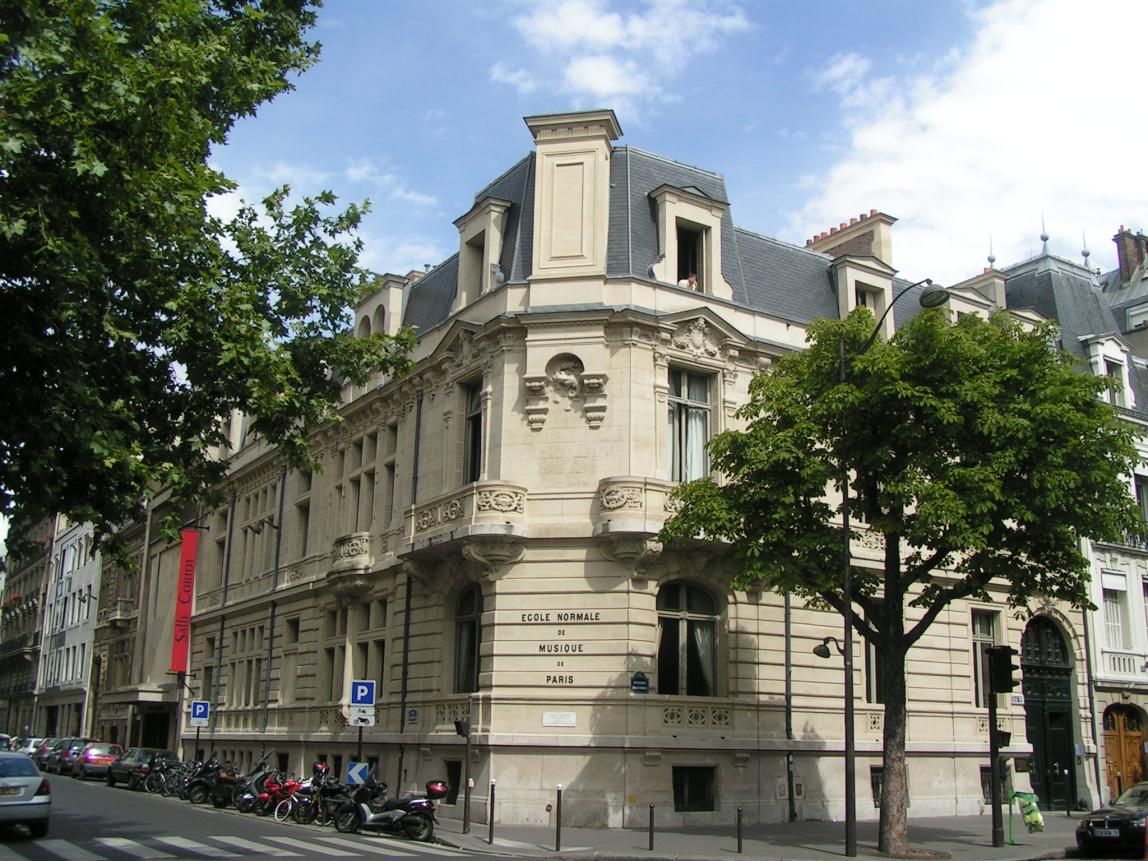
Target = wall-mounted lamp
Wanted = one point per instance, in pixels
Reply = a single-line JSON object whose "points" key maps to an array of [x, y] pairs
{"points": [[822, 648], [257, 526]]}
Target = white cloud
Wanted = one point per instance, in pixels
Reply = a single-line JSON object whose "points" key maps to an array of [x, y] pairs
{"points": [[520, 79], [1039, 114], [399, 254], [631, 58], [385, 182]]}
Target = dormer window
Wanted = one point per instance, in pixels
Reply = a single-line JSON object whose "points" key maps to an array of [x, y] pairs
{"points": [[689, 235], [479, 249]]}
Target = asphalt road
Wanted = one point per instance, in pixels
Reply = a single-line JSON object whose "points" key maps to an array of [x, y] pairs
{"points": [[93, 822]]}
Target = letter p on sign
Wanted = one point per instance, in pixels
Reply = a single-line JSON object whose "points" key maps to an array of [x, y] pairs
{"points": [[363, 692]]}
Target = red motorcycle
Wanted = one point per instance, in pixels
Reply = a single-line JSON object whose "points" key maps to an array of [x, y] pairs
{"points": [[277, 788]]}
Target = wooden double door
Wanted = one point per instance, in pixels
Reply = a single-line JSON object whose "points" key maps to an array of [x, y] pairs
{"points": [[1123, 748]]}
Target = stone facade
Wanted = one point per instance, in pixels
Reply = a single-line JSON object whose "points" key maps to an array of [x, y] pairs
{"points": [[481, 537]]}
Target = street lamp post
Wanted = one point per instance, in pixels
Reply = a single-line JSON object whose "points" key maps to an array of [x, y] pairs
{"points": [[929, 298]]}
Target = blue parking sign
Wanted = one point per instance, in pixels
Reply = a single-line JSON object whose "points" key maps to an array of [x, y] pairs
{"points": [[363, 692], [200, 711]]}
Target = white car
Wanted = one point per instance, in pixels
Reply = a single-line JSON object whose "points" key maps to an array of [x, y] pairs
{"points": [[28, 746], [24, 793]]}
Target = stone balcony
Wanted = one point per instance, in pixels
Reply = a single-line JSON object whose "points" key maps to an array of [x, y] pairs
{"points": [[118, 613], [484, 522]]}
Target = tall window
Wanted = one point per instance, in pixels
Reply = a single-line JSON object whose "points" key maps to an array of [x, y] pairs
{"points": [[467, 639], [1115, 373], [983, 636], [874, 674], [691, 248], [687, 627], [1114, 619], [689, 424], [472, 451]]}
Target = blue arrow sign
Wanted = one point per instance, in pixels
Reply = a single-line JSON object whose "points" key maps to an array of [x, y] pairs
{"points": [[363, 692], [356, 772], [200, 709]]}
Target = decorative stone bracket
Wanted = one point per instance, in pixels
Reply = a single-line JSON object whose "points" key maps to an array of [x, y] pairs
{"points": [[636, 552], [349, 575], [492, 554], [566, 383]]}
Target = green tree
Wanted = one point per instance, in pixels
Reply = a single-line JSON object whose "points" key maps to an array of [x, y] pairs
{"points": [[977, 452], [134, 319]]}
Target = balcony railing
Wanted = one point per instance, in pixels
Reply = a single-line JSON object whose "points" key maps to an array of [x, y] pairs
{"points": [[1127, 665]]}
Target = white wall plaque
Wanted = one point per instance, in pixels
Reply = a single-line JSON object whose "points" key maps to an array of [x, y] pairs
{"points": [[558, 719]]}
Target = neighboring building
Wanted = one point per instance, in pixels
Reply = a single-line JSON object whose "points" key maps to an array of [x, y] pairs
{"points": [[481, 538], [68, 626], [136, 696], [21, 618], [1103, 320]]}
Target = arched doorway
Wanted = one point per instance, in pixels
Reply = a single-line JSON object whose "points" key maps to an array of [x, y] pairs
{"points": [[1123, 748], [1047, 670]]}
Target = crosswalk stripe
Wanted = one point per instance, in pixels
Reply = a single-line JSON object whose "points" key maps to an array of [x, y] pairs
{"points": [[428, 849], [132, 847], [364, 846], [252, 846], [310, 847], [196, 846], [67, 849]]}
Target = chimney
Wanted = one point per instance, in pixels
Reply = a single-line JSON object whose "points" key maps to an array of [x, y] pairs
{"points": [[868, 235], [1131, 251]]}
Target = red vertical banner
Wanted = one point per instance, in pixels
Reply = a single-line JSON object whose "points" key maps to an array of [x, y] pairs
{"points": [[185, 594]]}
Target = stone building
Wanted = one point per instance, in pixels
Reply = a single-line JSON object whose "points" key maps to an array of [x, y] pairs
{"points": [[21, 619], [480, 540], [70, 598]]}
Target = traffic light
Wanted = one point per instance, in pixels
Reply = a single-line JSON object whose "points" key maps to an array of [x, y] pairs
{"points": [[1002, 678]]}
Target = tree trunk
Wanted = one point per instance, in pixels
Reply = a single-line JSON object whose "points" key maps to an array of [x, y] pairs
{"points": [[894, 829]]}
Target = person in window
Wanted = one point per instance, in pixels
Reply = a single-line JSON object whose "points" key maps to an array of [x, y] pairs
{"points": [[690, 283]]}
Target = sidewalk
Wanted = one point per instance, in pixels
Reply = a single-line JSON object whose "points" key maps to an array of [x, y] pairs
{"points": [[967, 838]]}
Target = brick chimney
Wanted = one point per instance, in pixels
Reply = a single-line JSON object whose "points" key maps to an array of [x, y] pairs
{"points": [[1131, 252], [868, 235]]}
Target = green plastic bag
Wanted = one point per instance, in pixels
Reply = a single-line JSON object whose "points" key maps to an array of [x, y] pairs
{"points": [[1029, 812]]}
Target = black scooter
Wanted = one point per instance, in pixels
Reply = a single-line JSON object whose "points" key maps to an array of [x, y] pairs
{"points": [[371, 810]]}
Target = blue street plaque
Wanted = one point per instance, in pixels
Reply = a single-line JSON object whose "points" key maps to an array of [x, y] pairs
{"points": [[640, 683]]}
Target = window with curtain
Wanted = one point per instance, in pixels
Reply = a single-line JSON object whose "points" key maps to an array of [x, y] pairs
{"points": [[1113, 619], [467, 638], [689, 424], [687, 630], [472, 444], [983, 636]]}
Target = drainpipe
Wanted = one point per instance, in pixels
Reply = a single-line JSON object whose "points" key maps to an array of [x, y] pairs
{"points": [[274, 603], [789, 777], [403, 689], [222, 616]]}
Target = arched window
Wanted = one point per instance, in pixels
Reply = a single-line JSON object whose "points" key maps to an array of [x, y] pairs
{"points": [[687, 633], [364, 330], [467, 638]]}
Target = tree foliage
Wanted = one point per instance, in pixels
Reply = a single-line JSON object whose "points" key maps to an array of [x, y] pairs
{"points": [[978, 453], [134, 318]]}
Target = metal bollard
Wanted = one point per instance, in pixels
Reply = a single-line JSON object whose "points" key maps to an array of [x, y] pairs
{"points": [[490, 818], [739, 831], [558, 822], [651, 828]]}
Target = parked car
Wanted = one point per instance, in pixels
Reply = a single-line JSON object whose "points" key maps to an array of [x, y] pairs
{"points": [[28, 746], [1118, 827], [94, 759], [49, 758], [25, 796], [40, 754], [68, 754], [135, 764]]}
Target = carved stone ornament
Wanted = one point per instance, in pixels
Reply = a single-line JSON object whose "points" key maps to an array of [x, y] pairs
{"points": [[439, 513], [635, 552], [506, 501], [492, 555], [568, 385], [696, 337], [615, 498], [349, 575]]}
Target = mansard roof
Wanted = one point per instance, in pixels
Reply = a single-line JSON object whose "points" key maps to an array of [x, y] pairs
{"points": [[767, 275]]}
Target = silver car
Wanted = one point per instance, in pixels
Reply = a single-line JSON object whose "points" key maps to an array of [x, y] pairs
{"points": [[24, 793]]}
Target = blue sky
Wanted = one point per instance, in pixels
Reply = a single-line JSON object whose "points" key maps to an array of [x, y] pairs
{"points": [[966, 120]]}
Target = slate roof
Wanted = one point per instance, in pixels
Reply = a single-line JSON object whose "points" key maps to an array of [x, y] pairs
{"points": [[767, 275]]}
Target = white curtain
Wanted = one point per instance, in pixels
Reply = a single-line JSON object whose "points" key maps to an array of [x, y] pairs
{"points": [[697, 427], [704, 643]]}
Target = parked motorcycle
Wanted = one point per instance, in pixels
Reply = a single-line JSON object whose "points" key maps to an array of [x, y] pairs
{"points": [[370, 809], [242, 791], [318, 800]]}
